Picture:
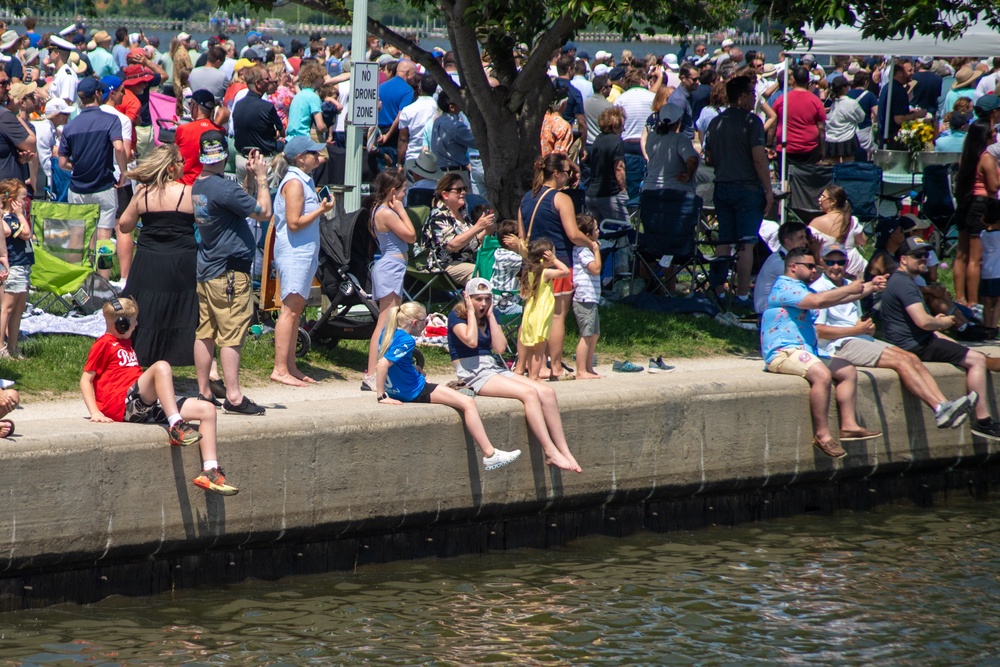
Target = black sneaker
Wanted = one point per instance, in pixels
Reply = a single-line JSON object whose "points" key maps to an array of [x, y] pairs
{"points": [[218, 388], [246, 407], [210, 399], [986, 428]]}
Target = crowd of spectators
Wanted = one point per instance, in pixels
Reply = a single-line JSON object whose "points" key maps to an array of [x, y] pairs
{"points": [[76, 108]]}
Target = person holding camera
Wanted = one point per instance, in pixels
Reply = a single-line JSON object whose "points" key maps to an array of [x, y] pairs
{"points": [[450, 236], [297, 211]]}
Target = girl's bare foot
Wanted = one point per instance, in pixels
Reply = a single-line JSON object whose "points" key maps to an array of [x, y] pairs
{"points": [[584, 375], [559, 461], [286, 378]]}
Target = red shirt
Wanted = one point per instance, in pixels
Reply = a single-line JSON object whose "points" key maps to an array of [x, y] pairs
{"points": [[188, 140], [113, 361], [804, 112], [231, 91]]}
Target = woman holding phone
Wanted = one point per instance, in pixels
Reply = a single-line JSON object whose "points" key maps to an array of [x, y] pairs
{"points": [[297, 210]]}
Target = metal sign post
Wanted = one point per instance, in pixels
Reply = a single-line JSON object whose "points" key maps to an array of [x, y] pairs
{"points": [[352, 166]]}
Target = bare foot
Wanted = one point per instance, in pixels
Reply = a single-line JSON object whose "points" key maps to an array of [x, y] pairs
{"points": [[285, 378], [575, 466], [559, 461], [584, 375], [299, 375]]}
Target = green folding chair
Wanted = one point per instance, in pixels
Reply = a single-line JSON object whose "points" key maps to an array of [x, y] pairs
{"points": [[66, 231]]}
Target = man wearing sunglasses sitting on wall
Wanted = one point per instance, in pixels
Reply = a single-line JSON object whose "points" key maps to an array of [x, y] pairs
{"points": [[844, 332], [789, 345], [908, 324]]}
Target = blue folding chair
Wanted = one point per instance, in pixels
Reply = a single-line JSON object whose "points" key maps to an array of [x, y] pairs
{"points": [[862, 182]]}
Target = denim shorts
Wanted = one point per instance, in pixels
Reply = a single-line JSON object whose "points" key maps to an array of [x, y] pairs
{"points": [[18, 280], [740, 210]]}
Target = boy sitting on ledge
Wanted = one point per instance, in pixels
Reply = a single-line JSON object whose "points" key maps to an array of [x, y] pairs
{"points": [[116, 389]]}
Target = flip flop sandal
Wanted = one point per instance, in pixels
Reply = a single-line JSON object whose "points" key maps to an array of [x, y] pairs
{"points": [[10, 425]]}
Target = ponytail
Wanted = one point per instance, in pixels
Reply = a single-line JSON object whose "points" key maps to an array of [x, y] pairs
{"points": [[395, 318]]}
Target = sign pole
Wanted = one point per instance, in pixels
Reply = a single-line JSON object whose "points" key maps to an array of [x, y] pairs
{"points": [[352, 165]]}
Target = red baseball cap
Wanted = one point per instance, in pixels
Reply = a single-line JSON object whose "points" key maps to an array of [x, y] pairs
{"points": [[136, 75]]}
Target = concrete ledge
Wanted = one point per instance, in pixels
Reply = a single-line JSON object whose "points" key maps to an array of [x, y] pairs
{"points": [[330, 464]]}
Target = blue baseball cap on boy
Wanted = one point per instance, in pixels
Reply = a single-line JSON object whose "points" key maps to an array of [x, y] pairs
{"points": [[110, 84]]}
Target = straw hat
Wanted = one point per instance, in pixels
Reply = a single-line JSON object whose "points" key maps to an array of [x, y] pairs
{"points": [[965, 77], [78, 65], [19, 91]]}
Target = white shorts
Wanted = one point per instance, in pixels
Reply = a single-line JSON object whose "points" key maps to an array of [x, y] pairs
{"points": [[106, 199]]}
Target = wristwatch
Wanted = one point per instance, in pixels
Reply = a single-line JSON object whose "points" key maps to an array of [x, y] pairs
{"points": [[384, 395]]}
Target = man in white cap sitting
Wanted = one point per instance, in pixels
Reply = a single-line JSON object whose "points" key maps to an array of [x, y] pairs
{"points": [[65, 80], [424, 175]]}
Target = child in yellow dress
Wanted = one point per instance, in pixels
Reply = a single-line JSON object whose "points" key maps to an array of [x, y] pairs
{"points": [[540, 269]]}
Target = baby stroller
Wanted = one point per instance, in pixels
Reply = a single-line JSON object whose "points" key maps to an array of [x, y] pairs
{"points": [[343, 277]]}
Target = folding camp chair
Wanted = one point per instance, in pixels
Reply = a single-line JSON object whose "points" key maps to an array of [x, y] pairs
{"points": [[72, 286], [506, 302], [862, 181], [938, 205], [806, 183], [422, 282], [668, 244], [66, 231]]}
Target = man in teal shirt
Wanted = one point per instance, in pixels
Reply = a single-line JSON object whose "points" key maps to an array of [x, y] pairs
{"points": [[959, 127], [100, 58]]}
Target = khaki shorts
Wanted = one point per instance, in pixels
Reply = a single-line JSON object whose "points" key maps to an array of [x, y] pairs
{"points": [[220, 318], [794, 361], [862, 352], [106, 200]]}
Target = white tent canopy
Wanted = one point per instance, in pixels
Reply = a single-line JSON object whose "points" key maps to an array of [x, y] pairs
{"points": [[979, 40]]}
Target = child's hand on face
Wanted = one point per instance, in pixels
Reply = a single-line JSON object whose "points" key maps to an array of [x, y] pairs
{"points": [[470, 307], [547, 258], [511, 242], [17, 207]]}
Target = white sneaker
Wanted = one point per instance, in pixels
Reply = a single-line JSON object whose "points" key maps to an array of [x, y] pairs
{"points": [[500, 458], [368, 383]]}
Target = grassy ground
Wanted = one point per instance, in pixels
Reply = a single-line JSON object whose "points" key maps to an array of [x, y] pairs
{"points": [[54, 362]]}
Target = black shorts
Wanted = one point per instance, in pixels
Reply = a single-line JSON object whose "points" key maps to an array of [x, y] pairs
{"points": [[942, 350], [138, 411], [977, 213], [124, 199], [425, 394]]}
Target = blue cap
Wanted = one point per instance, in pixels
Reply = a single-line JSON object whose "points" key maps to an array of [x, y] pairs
{"points": [[296, 146], [569, 46], [88, 86], [109, 84]]}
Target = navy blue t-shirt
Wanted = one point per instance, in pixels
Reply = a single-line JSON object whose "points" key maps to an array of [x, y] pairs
{"points": [[221, 208], [19, 251], [574, 101], [866, 100], [87, 143], [460, 350]]}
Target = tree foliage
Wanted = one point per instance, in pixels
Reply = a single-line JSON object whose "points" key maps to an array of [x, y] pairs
{"points": [[945, 18]]}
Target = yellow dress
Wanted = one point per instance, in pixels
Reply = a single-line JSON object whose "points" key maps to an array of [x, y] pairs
{"points": [[538, 311]]}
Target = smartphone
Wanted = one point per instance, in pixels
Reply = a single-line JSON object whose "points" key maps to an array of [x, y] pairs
{"points": [[324, 193], [248, 150]]}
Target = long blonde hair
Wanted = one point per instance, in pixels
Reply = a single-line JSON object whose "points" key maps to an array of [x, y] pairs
{"points": [[396, 318], [159, 168]]}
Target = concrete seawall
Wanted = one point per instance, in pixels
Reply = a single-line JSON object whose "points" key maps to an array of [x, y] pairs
{"points": [[328, 476]]}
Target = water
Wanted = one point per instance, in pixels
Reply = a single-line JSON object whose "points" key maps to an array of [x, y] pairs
{"points": [[639, 49], [890, 587]]}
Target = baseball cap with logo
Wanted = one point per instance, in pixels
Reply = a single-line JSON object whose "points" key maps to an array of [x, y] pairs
{"points": [[204, 99], [214, 148]]}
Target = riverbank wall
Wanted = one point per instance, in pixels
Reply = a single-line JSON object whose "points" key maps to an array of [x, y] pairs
{"points": [[330, 480]]}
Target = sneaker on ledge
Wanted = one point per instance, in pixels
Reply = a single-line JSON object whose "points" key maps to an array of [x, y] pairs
{"points": [[659, 366], [214, 480], [986, 428], [952, 414], [368, 383], [246, 407], [626, 367], [183, 434], [500, 458]]}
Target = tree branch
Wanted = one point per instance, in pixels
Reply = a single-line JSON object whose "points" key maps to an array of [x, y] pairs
{"points": [[537, 63], [470, 63], [418, 55]]}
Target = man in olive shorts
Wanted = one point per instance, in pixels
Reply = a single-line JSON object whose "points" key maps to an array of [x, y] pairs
{"points": [[225, 258], [789, 345], [908, 324]]}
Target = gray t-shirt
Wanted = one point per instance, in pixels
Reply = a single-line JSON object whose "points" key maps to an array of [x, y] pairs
{"points": [[897, 325], [208, 78], [221, 208], [730, 139], [668, 154]]}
